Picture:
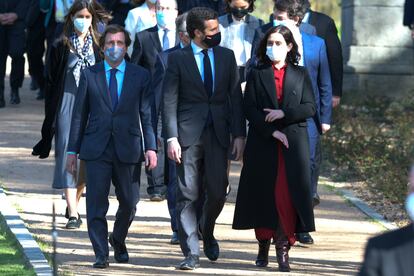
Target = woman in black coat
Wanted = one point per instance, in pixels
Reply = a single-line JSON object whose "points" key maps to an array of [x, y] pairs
{"points": [[274, 196]]}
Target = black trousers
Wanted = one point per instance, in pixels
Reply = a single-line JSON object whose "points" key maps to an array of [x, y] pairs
{"points": [[125, 177], [12, 43], [35, 50], [202, 172]]}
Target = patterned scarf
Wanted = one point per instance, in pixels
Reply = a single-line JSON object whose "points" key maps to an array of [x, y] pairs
{"points": [[85, 55]]}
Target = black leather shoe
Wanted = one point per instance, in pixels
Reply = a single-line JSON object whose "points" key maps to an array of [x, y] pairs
{"points": [[157, 197], [262, 259], [174, 238], [316, 200], [211, 249], [121, 253], [190, 262], [14, 96], [101, 262], [304, 238]]}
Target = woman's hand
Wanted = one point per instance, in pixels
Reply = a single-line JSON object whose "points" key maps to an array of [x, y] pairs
{"points": [[273, 114], [281, 137]]}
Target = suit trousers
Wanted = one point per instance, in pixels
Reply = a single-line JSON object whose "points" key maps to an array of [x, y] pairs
{"points": [[35, 50], [12, 44], [202, 172], [125, 177], [315, 154]]}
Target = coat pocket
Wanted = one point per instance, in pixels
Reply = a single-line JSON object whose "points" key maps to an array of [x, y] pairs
{"points": [[134, 131], [91, 129]]}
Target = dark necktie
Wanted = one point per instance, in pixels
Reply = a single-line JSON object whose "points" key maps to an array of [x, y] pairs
{"points": [[208, 74], [165, 41], [113, 88]]}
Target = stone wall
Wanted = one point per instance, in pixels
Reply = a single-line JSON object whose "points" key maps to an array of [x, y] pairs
{"points": [[377, 48]]}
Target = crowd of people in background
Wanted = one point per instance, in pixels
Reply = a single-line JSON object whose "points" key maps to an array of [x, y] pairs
{"points": [[172, 83]]}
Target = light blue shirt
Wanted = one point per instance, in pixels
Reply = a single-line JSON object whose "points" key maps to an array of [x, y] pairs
{"points": [[199, 58], [120, 74]]}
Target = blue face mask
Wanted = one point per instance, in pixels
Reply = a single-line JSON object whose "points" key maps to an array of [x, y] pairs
{"points": [[82, 24], [165, 19], [114, 54], [409, 205]]}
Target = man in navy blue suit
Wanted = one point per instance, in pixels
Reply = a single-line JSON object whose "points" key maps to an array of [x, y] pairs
{"points": [[113, 100], [315, 60]]}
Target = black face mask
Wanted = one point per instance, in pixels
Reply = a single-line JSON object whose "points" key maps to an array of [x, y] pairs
{"points": [[212, 40], [239, 13]]}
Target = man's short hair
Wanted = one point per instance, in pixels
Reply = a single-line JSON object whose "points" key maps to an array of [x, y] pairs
{"points": [[196, 19], [181, 22], [113, 29], [292, 7]]}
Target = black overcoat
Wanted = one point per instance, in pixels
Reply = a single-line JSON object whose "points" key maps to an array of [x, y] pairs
{"points": [[255, 206]]}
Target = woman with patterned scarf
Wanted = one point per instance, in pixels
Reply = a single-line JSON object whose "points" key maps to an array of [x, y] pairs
{"points": [[75, 50]]}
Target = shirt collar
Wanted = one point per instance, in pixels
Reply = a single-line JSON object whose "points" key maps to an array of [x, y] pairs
{"points": [[306, 17], [197, 49], [120, 67]]}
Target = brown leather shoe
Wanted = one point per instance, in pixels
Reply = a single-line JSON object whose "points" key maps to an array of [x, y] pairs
{"points": [[282, 255], [262, 259]]}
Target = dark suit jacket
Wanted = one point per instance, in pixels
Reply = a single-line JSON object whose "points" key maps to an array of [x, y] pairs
{"points": [[147, 45], [255, 199], [187, 105], [186, 5], [408, 13], [326, 29], [32, 13], [94, 122], [390, 254]]}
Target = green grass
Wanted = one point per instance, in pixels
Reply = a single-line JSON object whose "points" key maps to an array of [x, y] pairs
{"points": [[12, 261]]}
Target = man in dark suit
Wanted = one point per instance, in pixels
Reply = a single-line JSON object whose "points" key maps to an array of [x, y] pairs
{"points": [[202, 107], [112, 102], [148, 44], [12, 37], [409, 15], [391, 253], [218, 5], [170, 174], [326, 29]]}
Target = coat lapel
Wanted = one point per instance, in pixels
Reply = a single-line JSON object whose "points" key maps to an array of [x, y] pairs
{"points": [[129, 75], [268, 80], [155, 39], [289, 84], [192, 69], [217, 70], [102, 85]]}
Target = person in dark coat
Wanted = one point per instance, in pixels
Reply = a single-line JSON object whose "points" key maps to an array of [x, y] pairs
{"points": [[12, 43], [391, 253], [77, 49], [274, 191]]}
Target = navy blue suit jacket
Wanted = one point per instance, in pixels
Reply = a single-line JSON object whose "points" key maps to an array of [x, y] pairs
{"points": [[316, 62], [94, 122]]}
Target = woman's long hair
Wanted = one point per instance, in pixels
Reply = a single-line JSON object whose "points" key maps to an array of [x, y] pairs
{"points": [[293, 55], [99, 15]]}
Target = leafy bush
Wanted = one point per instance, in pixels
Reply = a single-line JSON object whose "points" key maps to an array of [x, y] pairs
{"points": [[372, 141]]}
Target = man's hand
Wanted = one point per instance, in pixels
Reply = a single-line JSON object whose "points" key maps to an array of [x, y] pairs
{"points": [[325, 128], [9, 18], [281, 137], [238, 148], [174, 151], [273, 114], [336, 100], [150, 159], [72, 164]]}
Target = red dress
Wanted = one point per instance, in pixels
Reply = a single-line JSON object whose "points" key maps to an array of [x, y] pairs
{"points": [[284, 206]]}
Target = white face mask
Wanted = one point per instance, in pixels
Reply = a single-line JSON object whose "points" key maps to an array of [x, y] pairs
{"points": [[82, 24], [153, 1], [409, 205], [277, 53]]}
